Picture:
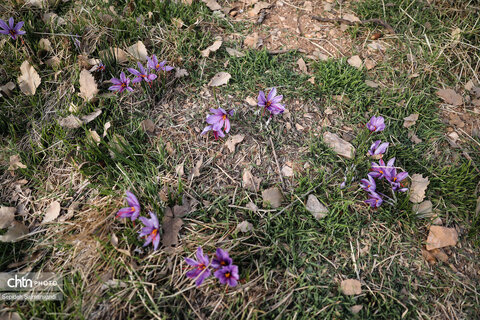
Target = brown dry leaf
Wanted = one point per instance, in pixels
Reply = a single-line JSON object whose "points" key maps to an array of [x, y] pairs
{"points": [[355, 61], [53, 62], [356, 308], [52, 213], [339, 145], [138, 51], [88, 86], [196, 169], [106, 126], [410, 120], [7, 216], [413, 137], [287, 171], [29, 80], [179, 169], [91, 116], [351, 17], [371, 84], [418, 188], [15, 163], [94, 136], [214, 47], [315, 207], [252, 206], [212, 4], [450, 97], [249, 181], [148, 126], [180, 73], [351, 287], [414, 75], [244, 226], [370, 64], [70, 122], [235, 53], [424, 209], [170, 149], [251, 41], [114, 242], [7, 88], [252, 102], [219, 79], [258, 7], [439, 254], [119, 54], [45, 44], [428, 257], [14, 232], [272, 196], [233, 141], [440, 237], [181, 211], [171, 227], [302, 65]]}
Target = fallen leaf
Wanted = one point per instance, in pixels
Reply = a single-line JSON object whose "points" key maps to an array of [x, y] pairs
{"points": [[410, 120], [351, 17], [272, 196], [7, 216], [7, 88], [423, 209], [370, 64], [235, 53], [70, 122], [214, 47], [170, 149], [106, 126], [469, 85], [252, 206], [94, 136], [212, 4], [196, 169], [88, 87], [15, 163], [91, 116], [439, 254], [233, 141], [418, 188], [428, 257], [179, 169], [249, 181], [375, 46], [251, 41], [184, 209], [148, 126], [413, 137], [371, 84], [258, 7], [116, 53], [29, 80], [439, 237], [339, 145], [302, 65], [45, 44], [356, 308], [219, 79], [171, 227], [351, 287], [53, 62], [114, 242], [355, 61], [287, 171], [177, 22], [52, 212], [180, 73], [252, 102], [315, 207], [244, 226], [450, 96], [138, 51], [14, 232], [37, 3]]}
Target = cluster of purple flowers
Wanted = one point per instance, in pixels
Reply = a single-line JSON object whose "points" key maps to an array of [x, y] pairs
{"points": [[11, 29], [381, 170], [219, 119], [153, 65], [151, 229], [223, 268]]}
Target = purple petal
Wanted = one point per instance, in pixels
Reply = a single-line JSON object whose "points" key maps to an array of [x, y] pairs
{"points": [[116, 87], [206, 129], [19, 26], [191, 262], [3, 25], [124, 212], [205, 274], [401, 176], [156, 241], [382, 148], [154, 220], [10, 23], [192, 274], [147, 222], [276, 99], [4, 32], [152, 77], [227, 125], [262, 101], [134, 72], [132, 199], [148, 241], [214, 119], [272, 94]]}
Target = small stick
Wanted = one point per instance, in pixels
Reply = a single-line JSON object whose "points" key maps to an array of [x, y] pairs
{"points": [[350, 23], [276, 161]]}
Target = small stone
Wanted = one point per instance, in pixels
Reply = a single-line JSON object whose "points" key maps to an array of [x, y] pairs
{"points": [[272, 196]]}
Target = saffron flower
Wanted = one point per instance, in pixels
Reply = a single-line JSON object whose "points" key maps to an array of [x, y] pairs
{"points": [[121, 84], [380, 170], [271, 102], [133, 209], [228, 275], [201, 270], [374, 200], [142, 74], [219, 119], [100, 67], [151, 230], [368, 184], [222, 259], [376, 124], [216, 133], [395, 179], [11, 29], [378, 148], [153, 63]]}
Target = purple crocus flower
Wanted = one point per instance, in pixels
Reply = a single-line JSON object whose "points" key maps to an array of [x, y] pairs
{"points": [[374, 200], [11, 29], [228, 275], [395, 179], [222, 259], [201, 270], [380, 170], [151, 230], [121, 84], [368, 184], [142, 74], [153, 63], [271, 102], [219, 119], [133, 209], [216, 133], [377, 148], [376, 124]]}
